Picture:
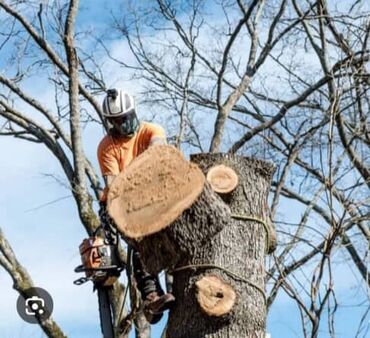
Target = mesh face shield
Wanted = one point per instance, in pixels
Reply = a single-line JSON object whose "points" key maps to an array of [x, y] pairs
{"points": [[125, 125]]}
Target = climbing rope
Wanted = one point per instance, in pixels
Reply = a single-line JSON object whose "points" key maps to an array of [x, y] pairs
{"points": [[128, 271], [215, 266], [229, 272], [258, 220]]}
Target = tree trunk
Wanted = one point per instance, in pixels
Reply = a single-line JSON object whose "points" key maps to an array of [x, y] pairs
{"points": [[164, 208], [237, 251], [216, 257]]}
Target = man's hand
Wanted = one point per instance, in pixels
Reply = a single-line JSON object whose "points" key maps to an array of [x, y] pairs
{"points": [[108, 179], [157, 140]]}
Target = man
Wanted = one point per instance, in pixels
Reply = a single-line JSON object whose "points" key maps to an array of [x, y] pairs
{"points": [[126, 139]]}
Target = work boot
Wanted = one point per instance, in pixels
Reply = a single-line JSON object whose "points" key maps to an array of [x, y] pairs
{"points": [[154, 305]]}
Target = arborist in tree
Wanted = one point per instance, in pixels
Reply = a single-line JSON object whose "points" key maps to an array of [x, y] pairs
{"points": [[127, 138]]}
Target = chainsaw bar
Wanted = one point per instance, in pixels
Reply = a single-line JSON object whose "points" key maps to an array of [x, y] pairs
{"points": [[105, 312], [102, 266]]}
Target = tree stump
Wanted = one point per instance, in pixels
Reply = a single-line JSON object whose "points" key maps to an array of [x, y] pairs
{"points": [[163, 206], [235, 255]]}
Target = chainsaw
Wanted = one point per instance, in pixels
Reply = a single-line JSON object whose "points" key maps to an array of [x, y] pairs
{"points": [[102, 266], [99, 262]]}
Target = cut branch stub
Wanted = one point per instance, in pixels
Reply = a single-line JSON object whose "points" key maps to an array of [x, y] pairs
{"points": [[153, 191], [215, 297], [222, 179]]}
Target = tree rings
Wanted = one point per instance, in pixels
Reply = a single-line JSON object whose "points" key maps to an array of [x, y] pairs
{"points": [[223, 179], [215, 297], [153, 191]]}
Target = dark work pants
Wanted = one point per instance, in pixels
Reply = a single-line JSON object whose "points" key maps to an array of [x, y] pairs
{"points": [[146, 283]]}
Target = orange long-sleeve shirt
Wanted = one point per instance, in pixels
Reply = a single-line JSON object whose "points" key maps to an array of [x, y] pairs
{"points": [[116, 152]]}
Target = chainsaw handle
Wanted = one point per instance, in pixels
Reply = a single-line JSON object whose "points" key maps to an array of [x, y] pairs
{"points": [[81, 281], [81, 268]]}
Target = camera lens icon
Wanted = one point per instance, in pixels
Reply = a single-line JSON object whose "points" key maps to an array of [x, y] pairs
{"points": [[35, 305]]}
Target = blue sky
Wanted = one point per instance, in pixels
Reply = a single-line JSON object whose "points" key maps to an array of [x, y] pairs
{"points": [[39, 218]]}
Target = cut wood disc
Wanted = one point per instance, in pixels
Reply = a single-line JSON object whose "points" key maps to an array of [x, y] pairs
{"points": [[215, 296], [223, 179], [153, 191]]}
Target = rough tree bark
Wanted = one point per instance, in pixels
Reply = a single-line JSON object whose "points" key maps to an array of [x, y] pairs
{"points": [[219, 284], [154, 203], [239, 248]]}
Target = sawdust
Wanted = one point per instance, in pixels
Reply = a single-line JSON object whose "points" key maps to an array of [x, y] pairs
{"points": [[153, 191]]}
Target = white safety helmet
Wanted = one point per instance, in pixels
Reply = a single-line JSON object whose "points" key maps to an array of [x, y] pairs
{"points": [[119, 110]]}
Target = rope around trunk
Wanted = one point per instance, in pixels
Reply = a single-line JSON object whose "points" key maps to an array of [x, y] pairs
{"points": [[229, 272], [258, 220]]}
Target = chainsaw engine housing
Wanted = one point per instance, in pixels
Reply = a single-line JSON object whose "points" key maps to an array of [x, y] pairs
{"points": [[99, 261]]}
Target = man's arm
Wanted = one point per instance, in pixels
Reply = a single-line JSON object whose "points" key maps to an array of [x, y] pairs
{"points": [[108, 162], [108, 179]]}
